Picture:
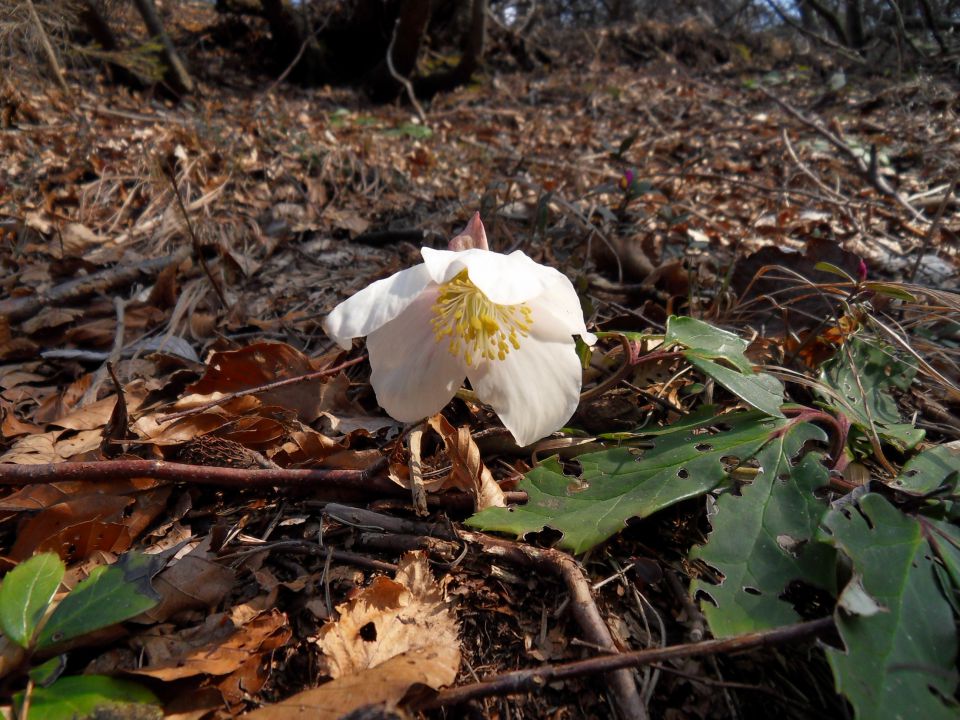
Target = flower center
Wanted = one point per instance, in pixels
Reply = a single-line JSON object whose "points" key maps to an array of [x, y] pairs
{"points": [[477, 328]]}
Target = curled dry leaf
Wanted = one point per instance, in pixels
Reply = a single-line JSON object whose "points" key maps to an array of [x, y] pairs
{"points": [[468, 472]]}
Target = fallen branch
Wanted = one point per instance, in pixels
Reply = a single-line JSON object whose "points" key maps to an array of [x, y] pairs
{"points": [[359, 481], [620, 682], [521, 681], [21, 308]]}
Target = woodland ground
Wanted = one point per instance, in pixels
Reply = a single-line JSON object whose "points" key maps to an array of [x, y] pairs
{"points": [[299, 197]]}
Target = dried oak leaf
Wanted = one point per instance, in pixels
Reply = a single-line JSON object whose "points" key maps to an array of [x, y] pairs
{"points": [[394, 617], [395, 634]]}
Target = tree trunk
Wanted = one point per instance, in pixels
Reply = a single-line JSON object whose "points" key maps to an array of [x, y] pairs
{"points": [[92, 18], [52, 62], [176, 76], [473, 43], [292, 37], [407, 38], [830, 18]]}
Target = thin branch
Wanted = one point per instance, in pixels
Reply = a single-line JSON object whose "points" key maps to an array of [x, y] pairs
{"points": [[364, 481], [401, 79], [262, 388], [197, 250], [521, 681], [48, 50]]}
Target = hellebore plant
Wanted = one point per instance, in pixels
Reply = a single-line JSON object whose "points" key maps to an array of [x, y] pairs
{"points": [[503, 321]]}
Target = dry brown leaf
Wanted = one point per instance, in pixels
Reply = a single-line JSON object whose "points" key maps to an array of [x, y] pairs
{"points": [[195, 581], [468, 473], [391, 617], [217, 647], [267, 362], [385, 684]]}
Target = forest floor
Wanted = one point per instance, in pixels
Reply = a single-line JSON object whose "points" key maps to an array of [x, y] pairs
{"points": [[659, 189]]}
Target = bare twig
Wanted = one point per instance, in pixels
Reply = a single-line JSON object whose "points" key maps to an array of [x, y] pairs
{"points": [[408, 86], [875, 178], [623, 689], [355, 481], [934, 227], [48, 50], [197, 249], [262, 388], [529, 680]]}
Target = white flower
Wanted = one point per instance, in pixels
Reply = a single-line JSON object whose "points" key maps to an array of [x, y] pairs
{"points": [[503, 321]]}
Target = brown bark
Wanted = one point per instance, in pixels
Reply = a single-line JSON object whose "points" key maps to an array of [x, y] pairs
{"points": [[408, 36], [473, 43]]}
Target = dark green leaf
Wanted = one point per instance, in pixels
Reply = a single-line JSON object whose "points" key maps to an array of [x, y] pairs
{"points": [[934, 468], [111, 594], [764, 539], [762, 391], [84, 696], [899, 661], [833, 269], [878, 370], [49, 672], [616, 485], [25, 594]]}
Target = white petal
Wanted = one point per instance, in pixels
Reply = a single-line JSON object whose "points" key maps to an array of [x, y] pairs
{"points": [[375, 305], [413, 375], [560, 299], [504, 279], [535, 389]]}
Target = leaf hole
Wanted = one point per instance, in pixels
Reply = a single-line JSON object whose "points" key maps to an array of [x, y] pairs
{"points": [[572, 468], [703, 597], [783, 478], [683, 474], [369, 632], [751, 590], [911, 473], [703, 447]]}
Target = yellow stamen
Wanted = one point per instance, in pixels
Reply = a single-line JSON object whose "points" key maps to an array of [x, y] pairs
{"points": [[477, 328]]}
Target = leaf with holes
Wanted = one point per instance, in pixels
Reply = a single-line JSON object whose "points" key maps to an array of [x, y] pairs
{"points": [[934, 469], [109, 595], [706, 344], [876, 369], [25, 594], [765, 538], [898, 661], [84, 696], [616, 485]]}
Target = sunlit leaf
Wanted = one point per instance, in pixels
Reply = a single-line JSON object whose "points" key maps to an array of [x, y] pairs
{"points": [[707, 341], [898, 662], [616, 485], [764, 538], [25, 594]]}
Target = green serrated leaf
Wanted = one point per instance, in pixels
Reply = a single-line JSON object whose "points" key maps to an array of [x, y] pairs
{"points": [[878, 370], [898, 662], [762, 391], [616, 485], [707, 341], [111, 594], [934, 468], [764, 539], [25, 594], [84, 696]]}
